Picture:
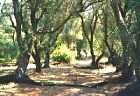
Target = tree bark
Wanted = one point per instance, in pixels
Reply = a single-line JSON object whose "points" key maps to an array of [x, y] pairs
{"points": [[47, 60], [123, 32], [110, 49], [93, 64], [24, 56], [137, 51], [99, 58], [22, 61], [37, 61], [36, 56], [34, 24], [92, 26]]}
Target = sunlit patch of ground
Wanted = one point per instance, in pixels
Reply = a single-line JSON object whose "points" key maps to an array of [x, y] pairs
{"points": [[108, 69]]}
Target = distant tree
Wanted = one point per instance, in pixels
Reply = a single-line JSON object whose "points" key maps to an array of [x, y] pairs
{"points": [[89, 28], [53, 23], [9, 48], [111, 37]]}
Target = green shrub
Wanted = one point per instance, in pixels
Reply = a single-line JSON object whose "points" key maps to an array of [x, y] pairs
{"points": [[2, 60], [9, 49], [63, 55]]}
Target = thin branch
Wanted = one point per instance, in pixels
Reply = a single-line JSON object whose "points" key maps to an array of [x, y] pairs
{"points": [[13, 25], [95, 22], [93, 15], [54, 41], [10, 17], [83, 27]]}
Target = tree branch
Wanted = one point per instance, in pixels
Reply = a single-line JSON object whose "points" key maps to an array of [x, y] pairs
{"points": [[83, 27], [92, 4], [44, 31], [12, 22]]}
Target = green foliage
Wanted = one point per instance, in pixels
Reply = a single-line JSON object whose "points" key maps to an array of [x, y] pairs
{"points": [[132, 4], [63, 55], [79, 44], [9, 49]]}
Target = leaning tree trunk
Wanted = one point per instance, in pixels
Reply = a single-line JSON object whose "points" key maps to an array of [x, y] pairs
{"points": [[23, 57], [110, 48], [99, 58], [23, 60], [123, 32]]}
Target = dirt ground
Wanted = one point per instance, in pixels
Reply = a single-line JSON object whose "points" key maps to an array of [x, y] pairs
{"points": [[65, 76]]}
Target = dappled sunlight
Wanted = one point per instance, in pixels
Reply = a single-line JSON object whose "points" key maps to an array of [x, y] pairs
{"points": [[92, 82], [59, 91], [64, 76], [6, 93], [72, 76], [29, 90], [85, 62], [69, 92], [8, 89]]}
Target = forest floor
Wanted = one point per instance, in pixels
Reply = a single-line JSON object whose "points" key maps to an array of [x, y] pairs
{"points": [[64, 74]]}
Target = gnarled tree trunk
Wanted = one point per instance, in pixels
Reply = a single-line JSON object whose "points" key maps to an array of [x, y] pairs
{"points": [[123, 32], [22, 61], [23, 57], [36, 57]]}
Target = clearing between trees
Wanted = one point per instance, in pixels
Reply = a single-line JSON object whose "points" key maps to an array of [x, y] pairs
{"points": [[64, 80]]}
